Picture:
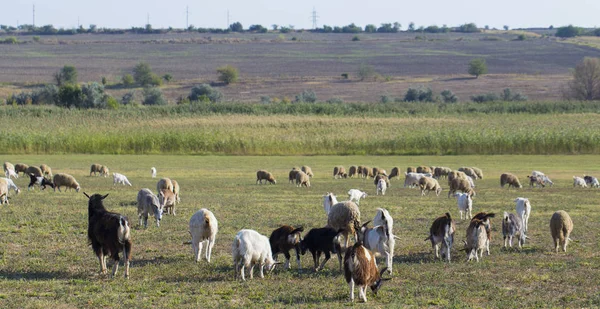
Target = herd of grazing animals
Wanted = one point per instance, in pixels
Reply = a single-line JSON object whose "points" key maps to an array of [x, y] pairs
{"points": [[110, 233]]}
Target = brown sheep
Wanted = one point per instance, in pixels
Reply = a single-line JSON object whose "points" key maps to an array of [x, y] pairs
{"points": [[36, 171], [423, 169], [429, 184], [367, 172], [380, 176], [302, 179], [460, 184], [352, 171], [411, 169], [478, 171], [469, 172], [21, 168], [264, 175], [359, 171], [46, 170], [395, 173], [339, 171], [510, 179], [306, 169]]}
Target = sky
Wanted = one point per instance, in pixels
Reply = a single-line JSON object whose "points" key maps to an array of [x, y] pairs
{"points": [[164, 14]]}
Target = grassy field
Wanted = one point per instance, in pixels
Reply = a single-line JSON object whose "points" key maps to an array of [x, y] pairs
{"points": [[45, 260]]}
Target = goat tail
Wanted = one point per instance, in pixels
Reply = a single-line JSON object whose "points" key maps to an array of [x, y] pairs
{"points": [[124, 232]]}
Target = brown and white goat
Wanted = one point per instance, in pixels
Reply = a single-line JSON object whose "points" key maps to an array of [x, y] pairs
{"points": [[442, 232], [360, 269], [109, 234], [476, 239], [485, 217], [283, 240]]}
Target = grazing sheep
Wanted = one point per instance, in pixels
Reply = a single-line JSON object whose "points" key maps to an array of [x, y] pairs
{"points": [[11, 185], [468, 171], [339, 171], [328, 201], [423, 169], [412, 179], [591, 181], [442, 232], [510, 179], [360, 269], [250, 248], [3, 192], [46, 170], [9, 170], [152, 171], [302, 179], [579, 182], [176, 190], [537, 181], [476, 239], [307, 170], [100, 169], [465, 204], [478, 172], [460, 184], [148, 204], [283, 240], [411, 169], [164, 183], [354, 195], [41, 180], [440, 172], [352, 171], [429, 184], [523, 207], [376, 171], [511, 226], [485, 218], [167, 200], [34, 170], [65, 180], [203, 228], [324, 240], [381, 186], [367, 172], [394, 173], [561, 226], [21, 168], [109, 233], [264, 175], [120, 178], [344, 216], [292, 175]]}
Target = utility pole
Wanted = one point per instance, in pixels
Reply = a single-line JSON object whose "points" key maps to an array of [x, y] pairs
{"points": [[227, 19], [148, 19], [314, 18], [34, 16], [187, 14]]}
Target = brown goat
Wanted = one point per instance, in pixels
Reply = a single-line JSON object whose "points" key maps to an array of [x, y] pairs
{"points": [[360, 269], [485, 218], [284, 239]]}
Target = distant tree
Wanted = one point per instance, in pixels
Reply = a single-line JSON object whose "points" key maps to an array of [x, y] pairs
{"points": [[365, 71], [397, 26], [228, 74], [477, 67], [258, 28], [153, 96], [284, 29], [370, 28], [551, 27], [411, 27], [568, 31], [351, 28], [191, 28], [325, 29], [432, 29], [448, 96], [596, 32], [487, 27], [205, 92], [93, 96], [104, 80], [274, 27], [468, 28], [506, 27], [142, 74], [127, 80], [586, 80], [69, 95], [66, 75], [236, 27], [387, 28], [93, 29]]}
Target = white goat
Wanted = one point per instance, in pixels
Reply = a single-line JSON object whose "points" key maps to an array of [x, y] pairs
{"points": [[381, 186], [523, 207], [465, 205], [328, 201], [153, 171], [380, 238], [203, 228], [120, 178], [579, 182], [11, 173], [356, 195], [11, 185], [250, 248]]}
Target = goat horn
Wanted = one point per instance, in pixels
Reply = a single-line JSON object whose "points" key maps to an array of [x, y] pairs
{"points": [[365, 224], [105, 196], [382, 271], [86, 195]]}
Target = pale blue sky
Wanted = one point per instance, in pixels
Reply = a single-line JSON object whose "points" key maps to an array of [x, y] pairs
{"points": [[128, 13]]}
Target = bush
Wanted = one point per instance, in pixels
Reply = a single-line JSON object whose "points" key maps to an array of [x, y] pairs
{"points": [[568, 31], [468, 28], [93, 96], [335, 101], [477, 67], [365, 71], [508, 96], [345, 75], [355, 38], [112, 103], [167, 77], [127, 80], [448, 96], [10, 40], [482, 98], [142, 74], [128, 98], [104, 81], [585, 84], [307, 96], [265, 99], [205, 91], [521, 37], [236, 27], [228, 74], [385, 99], [69, 95], [66, 75], [153, 96], [419, 95]]}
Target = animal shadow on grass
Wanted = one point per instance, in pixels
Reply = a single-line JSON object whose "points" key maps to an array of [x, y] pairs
{"points": [[40, 275], [456, 79], [156, 261], [415, 258], [127, 204], [310, 299]]}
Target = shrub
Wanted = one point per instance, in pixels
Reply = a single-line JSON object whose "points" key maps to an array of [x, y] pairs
{"points": [[385, 99], [236, 27], [335, 101], [448, 96], [153, 96], [370, 28], [10, 40], [142, 74], [307, 96], [585, 84], [128, 98], [127, 80], [521, 37], [568, 31], [112, 103], [419, 95], [228, 74], [69, 95], [468, 28], [355, 38], [477, 67], [66, 75], [345, 75], [167, 77], [365, 71], [508, 96], [36, 38], [93, 96], [265, 99], [206, 91], [482, 98], [104, 81]]}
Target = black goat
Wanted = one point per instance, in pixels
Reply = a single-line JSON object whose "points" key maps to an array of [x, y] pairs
{"points": [[109, 234], [284, 239], [42, 181], [322, 240]]}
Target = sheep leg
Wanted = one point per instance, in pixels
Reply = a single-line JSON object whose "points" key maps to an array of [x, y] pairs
{"points": [[556, 244], [461, 214], [487, 246], [566, 242], [351, 283], [197, 247], [436, 251]]}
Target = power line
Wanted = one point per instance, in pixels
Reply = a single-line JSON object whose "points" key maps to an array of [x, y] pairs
{"points": [[314, 17]]}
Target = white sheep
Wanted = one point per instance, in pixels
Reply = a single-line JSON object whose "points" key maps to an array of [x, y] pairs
{"points": [[523, 207], [561, 226], [381, 186], [579, 182], [203, 228], [328, 201], [250, 248], [120, 178], [344, 216], [164, 183], [465, 204], [153, 172], [412, 179], [355, 195]]}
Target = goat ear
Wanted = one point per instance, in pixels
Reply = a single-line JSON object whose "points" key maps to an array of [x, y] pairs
{"points": [[104, 196], [86, 195]]}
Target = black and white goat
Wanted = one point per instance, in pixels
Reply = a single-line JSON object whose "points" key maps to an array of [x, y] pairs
{"points": [[109, 234], [360, 269], [41, 180], [442, 232], [322, 240], [283, 240]]}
